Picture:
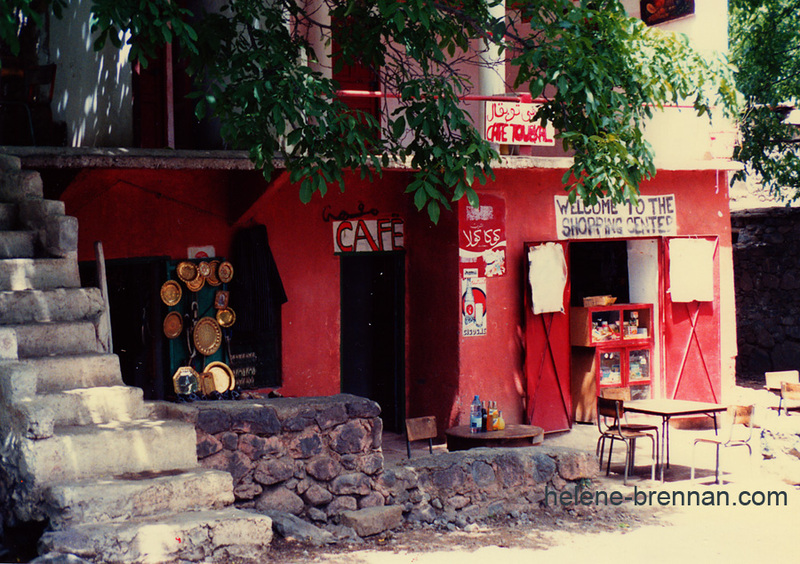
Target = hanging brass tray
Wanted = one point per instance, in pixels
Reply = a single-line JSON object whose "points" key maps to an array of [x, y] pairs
{"points": [[225, 272], [196, 284], [171, 292], [173, 325], [222, 376], [207, 336], [213, 278], [226, 317], [186, 270]]}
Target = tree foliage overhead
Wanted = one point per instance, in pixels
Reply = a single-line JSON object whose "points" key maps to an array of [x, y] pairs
{"points": [[600, 73], [765, 46]]}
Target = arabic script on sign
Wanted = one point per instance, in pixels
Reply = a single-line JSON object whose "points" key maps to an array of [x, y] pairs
{"points": [[513, 123]]}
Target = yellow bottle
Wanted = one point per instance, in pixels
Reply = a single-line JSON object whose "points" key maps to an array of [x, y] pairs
{"points": [[501, 423]]}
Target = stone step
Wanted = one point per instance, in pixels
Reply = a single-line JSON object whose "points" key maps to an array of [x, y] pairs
{"points": [[84, 406], [80, 453], [34, 213], [23, 379], [224, 535], [17, 244], [55, 338], [41, 306], [133, 496], [39, 274], [17, 185], [8, 217]]}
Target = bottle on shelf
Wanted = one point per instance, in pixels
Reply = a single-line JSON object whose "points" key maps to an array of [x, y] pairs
{"points": [[483, 417], [475, 415]]}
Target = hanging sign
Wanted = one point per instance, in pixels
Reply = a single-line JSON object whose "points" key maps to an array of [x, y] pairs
{"points": [[660, 11], [368, 235], [511, 123], [651, 216], [473, 307], [482, 237]]}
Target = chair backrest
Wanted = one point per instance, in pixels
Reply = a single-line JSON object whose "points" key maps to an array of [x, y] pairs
{"points": [[418, 428], [609, 412], [622, 393], [739, 418], [790, 390], [774, 379]]}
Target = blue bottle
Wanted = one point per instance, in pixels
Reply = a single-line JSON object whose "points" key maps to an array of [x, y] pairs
{"points": [[475, 415]]}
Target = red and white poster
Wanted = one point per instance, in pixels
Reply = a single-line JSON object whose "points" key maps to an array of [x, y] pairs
{"points": [[512, 123], [473, 307], [482, 237]]}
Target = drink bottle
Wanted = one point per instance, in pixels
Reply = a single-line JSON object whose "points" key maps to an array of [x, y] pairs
{"points": [[475, 415]]}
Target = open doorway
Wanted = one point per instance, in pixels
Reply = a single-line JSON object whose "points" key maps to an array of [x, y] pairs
{"points": [[597, 269], [373, 331]]}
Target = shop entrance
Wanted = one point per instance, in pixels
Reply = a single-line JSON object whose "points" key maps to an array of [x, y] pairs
{"points": [[373, 329]]}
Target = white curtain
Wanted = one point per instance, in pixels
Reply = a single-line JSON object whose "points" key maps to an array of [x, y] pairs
{"points": [[691, 270]]}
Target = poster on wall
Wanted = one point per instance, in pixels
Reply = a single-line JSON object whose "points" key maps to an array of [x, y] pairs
{"points": [[650, 216], [473, 307], [660, 11], [482, 237]]}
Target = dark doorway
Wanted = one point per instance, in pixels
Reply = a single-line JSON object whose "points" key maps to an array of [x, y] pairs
{"points": [[373, 331], [597, 269]]}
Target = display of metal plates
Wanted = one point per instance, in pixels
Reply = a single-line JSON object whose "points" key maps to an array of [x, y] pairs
{"points": [[196, 284], [207, 336], [173, 325], [186, 271], [185, 380], [225, 272], [213, 279], [223, 376], [171, 292], [226, 317]]}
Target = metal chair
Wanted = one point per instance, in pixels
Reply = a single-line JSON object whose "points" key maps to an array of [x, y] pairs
{"points": [[789, 391], [420, 428], [739, 432], [610, 417], [624, 393]]}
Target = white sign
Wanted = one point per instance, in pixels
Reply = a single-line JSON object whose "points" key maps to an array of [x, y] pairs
{"points": [[511, 123], [473, 307], [368, 235], [652, 216]]}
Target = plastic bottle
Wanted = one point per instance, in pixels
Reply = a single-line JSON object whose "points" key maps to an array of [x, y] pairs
{"points": [[475, 415], [484, 413]]}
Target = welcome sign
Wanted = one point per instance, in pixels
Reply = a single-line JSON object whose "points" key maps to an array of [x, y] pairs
{"points": [[651, 216]]}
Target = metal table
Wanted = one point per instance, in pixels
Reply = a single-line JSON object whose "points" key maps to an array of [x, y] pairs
{"points": [[668, 408]]}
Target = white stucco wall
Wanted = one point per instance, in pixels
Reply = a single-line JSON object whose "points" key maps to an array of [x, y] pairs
{"points": [[93, 89]]}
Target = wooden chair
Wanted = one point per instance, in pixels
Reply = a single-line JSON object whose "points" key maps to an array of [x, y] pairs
{"points": [[789, 391], [739, 432], [773, 379], [610, 413], [420, 428]]}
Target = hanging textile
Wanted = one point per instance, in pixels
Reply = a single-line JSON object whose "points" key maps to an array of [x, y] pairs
{"points": [[547, 274], [691, 270]]}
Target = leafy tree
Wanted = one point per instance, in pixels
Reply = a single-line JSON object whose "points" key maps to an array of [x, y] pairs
{"points": [[765, 46], [600, 73]]}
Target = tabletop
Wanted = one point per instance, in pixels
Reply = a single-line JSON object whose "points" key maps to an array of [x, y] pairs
{"points": [[510, 432], [670, 407]]}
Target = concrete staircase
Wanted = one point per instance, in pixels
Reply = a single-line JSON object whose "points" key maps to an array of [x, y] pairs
{"points": [[80, 449]]}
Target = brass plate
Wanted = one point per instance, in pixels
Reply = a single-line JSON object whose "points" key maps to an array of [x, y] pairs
{"points": [[225, 272], [196, 284], [173, 325], [186, 271], [204, 269], [207, 336], [185, 380], [171, 292], [223, 376], [213, 279], [226, 317]]}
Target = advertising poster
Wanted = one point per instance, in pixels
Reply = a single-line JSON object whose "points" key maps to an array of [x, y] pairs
{"points": [[473, 307], [482, 237]]}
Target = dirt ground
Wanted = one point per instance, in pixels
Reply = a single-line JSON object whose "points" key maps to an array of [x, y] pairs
{"points": [[753, 514]]}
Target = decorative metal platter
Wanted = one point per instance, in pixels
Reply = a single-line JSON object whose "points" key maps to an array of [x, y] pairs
{"points": [[204, 268], [212, 278], [226, 317], [173, 325], [196, 284], [185, 380], [222, 375], [225, 272], [171, 292], [186, 271], [207, 336]]}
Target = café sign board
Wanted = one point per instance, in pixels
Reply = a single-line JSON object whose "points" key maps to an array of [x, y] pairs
{"points": [[511, 123], [651, 216]]}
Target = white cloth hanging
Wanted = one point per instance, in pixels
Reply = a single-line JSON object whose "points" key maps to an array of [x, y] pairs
{"points": [[547, 274]]}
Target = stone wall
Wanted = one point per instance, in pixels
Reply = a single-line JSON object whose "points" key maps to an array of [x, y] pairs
{"points": [[767, 283], [319, 458]]}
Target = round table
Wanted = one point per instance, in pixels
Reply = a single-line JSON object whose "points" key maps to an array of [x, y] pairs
{"points": [[461, 438]]}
